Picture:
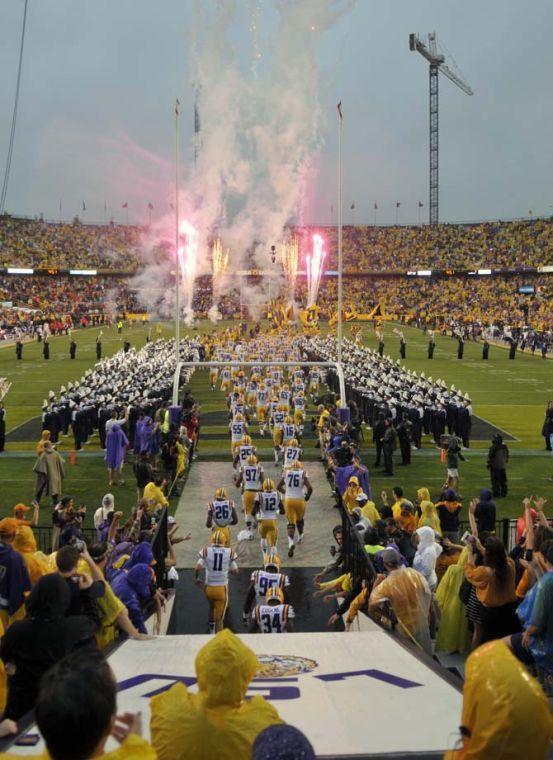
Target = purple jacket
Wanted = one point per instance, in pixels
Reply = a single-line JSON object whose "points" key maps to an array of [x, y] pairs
{"points": [[116, 443]]}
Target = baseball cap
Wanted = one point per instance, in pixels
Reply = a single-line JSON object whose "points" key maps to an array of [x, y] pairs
{"points": [[20, 509], [361, 497]]}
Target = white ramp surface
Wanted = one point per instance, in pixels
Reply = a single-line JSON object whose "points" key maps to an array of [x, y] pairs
{"points": [[356, 693], [321, 516], [351, 694]]}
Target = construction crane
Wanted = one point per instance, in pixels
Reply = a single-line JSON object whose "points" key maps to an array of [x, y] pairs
{"points": [[437, 64]]}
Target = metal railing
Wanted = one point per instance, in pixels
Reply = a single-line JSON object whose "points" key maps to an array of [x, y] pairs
{"points": [[160, 549], [43, 536], [356, 560]]}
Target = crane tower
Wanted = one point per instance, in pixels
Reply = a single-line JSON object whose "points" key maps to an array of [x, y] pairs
{"points": [[437, 64]]}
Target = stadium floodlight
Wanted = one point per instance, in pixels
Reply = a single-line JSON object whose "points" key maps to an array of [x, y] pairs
{"points": [[84, 272], [18, 270]]}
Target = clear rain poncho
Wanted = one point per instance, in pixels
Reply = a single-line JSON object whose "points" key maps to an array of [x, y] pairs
{"points": [[410, 598], [428, 552]]}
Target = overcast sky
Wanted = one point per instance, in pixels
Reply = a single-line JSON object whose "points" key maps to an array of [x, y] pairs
{"points": [[100, 77]]}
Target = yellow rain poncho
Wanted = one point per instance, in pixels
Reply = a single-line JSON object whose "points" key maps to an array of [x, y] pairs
{"points": [[342, 584], [370, 512], [216, 722], [410, 597], [429, 514], [351, 493], [36, 562], [505, 712], [453, 633]]}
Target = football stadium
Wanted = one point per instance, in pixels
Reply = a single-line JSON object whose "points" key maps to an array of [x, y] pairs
{"points": [[276, 389]]}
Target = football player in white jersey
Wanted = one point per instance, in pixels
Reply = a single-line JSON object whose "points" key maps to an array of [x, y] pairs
{"points": [[261, 581], [279, 415], [314, 380], [267, 506], [225, 379], [238, 429], [221, 514], [213, 375], [262, 406], [274, 616], [288, 431], [250, 480], [300, 405], [217, 560], [297, 491], [243, 451], [292, 453]]}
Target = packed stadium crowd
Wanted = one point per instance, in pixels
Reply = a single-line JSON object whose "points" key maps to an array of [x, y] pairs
{"points": [[494, 302], [456, 246], [526, 243], [44, 245]]}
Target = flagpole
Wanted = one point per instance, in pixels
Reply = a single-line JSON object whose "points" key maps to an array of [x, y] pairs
{"points": [[177, 273], [340, 263]]}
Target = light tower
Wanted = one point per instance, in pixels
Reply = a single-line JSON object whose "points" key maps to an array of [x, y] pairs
{"points": [[437, 63]]}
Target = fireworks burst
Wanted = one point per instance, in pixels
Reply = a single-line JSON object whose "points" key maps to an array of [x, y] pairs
{"points": [[289, 255], [188, 256], [220, 259], [314, 270]]}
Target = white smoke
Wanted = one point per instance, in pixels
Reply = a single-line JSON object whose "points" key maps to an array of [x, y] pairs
{"points": [[261, 128]]}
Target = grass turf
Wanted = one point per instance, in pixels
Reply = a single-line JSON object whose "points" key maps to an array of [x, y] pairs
{"points": [[510, 395]]}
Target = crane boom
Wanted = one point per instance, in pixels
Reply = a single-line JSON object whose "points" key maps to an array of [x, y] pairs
{"points": [[446, 71], [437, 64]]}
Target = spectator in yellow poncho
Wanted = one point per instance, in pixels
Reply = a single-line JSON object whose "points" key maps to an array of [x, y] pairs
{"points": [[37, 562], [351, 493], [217, 722], [181, 457], [153, 495], [453, 633], [410, 598], [429, 514], [505, 712]]}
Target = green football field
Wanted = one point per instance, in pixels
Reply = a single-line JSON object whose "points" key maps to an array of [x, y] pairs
{"points": [[509, 395]]}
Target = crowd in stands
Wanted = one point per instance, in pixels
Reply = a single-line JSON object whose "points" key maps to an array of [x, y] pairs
{"points": [[43, 245], [460, 590], [441, 302], [456, 246], [40, 244], [437, 301], [65, 299]]}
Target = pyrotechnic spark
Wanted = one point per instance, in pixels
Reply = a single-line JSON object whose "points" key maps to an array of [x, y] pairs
{"points": [[188, 255], [220, 259], [314, 270], [289, 255]]}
